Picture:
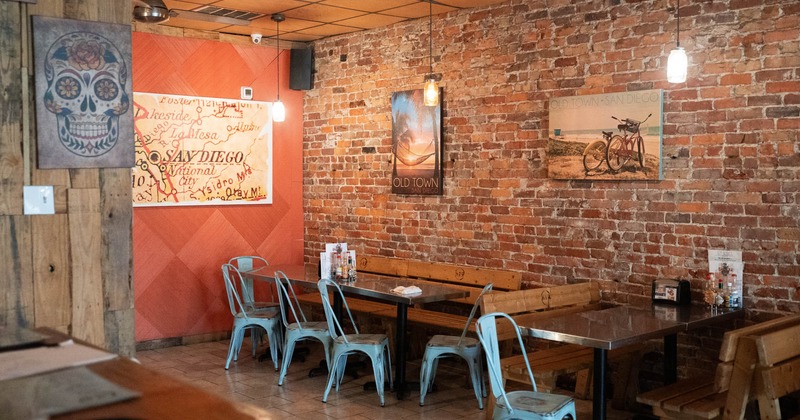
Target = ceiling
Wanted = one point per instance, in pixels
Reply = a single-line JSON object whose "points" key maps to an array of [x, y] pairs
{"points": [[309, 20]]}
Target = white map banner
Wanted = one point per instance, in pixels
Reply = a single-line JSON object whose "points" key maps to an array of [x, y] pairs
{"points": [[201, 151]]}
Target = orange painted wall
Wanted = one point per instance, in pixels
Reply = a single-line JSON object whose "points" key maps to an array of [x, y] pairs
{"points": [[178, 251]]}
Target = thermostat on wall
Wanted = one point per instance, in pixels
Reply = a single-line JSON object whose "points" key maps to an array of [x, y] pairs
{"points": [[247, 92]]}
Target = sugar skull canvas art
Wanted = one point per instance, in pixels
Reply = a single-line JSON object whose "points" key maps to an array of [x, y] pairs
{"points": [[83, 94]]}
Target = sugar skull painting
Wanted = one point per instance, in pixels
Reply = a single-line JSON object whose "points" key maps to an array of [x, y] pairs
{"points": [[83, 87]]}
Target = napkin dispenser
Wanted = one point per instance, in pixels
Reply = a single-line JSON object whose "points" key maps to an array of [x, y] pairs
{"points": [[672, 291]]}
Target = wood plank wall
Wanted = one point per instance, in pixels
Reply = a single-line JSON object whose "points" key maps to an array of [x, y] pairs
{"points": [[72, 271]]}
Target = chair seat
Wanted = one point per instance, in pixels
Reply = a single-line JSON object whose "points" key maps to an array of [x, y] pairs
{"points": [[311, 326], [260, 314], [371, 339], [543, 404], [452, 341]]}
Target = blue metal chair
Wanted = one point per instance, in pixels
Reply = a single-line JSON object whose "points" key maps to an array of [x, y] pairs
{"points": [[517, 404], [245, 317], [375, 346], [467, 348], [247, 263], [299, 330]]}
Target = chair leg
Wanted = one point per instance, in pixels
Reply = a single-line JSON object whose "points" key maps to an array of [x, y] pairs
{"points": [[233, 348], [332, 374], [388, 364], [287, 358], [424, 377], [274, 346], [477, 379], [378, 370]]}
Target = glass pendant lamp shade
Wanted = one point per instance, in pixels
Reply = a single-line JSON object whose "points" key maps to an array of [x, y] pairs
{"points": [[431, 91], [278, 111], [677, 64]]}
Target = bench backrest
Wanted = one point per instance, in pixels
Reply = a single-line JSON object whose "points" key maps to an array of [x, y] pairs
{"points": [[472, 279], [765, 367], [730, 344], [530, 304]]}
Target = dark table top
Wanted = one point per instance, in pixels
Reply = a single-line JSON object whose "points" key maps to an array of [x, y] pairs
{"points": [[367, 284], [619, 326]]}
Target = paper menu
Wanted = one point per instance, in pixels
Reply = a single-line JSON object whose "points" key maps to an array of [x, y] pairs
{"points": [[727, 266], [326, 258], [62, 391], [20, 363]]}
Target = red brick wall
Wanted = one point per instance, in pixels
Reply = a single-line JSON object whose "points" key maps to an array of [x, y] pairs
{"points": [[730, 145]]}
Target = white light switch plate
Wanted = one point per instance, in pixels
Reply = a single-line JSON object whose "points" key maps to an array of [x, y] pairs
{"points": [[38, 199]]}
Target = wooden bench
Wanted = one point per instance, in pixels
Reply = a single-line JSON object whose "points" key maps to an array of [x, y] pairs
{"points": [[757, 362], [471, 279]]}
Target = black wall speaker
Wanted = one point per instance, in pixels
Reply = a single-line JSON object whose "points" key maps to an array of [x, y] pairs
{"points": [[301, 69]]}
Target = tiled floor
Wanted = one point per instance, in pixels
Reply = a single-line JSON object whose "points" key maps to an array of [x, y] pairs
{"points": [[254, 382]]}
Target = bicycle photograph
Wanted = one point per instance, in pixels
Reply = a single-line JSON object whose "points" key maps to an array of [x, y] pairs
{"points": [[590, 139]]}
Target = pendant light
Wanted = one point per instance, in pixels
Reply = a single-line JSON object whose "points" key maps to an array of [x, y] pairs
{"points": [[431, 89], [677, 62], [278, 110]]}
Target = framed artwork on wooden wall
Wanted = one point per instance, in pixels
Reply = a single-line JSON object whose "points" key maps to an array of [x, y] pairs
{"points": [[84, 117], [612, 136], [416, 145]]}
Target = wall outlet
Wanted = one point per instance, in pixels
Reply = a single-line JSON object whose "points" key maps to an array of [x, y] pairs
{"points": [[38, 199]]}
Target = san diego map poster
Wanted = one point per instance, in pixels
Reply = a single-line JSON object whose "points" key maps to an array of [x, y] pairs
{"points": [[201, 151]]}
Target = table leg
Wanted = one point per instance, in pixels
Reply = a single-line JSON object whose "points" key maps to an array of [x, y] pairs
{"points": [[599, 397], [400, 350], [670, 358]]}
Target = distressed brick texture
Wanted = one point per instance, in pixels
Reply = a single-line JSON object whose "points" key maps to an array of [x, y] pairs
{"points": [[730, 145]]}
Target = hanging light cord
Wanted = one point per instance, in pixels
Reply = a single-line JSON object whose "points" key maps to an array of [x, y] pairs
{"points": [[679, 23], [430, 37], [278, 57]]}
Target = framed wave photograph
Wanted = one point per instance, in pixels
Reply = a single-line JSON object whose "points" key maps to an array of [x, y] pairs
{"points": [[611, 136], [416, 145]]}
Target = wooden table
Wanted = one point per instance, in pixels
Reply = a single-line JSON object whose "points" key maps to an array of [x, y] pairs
{"points": [[611, 328], [162, 397], [377, 287]]}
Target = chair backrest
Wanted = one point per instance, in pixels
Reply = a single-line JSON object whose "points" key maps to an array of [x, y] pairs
{"points": [[247, 263], [487, 334], [334, 326], [486, 289], [288, 300], [232, 277]]}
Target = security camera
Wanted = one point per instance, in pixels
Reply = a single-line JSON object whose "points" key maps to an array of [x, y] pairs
{"points": [[256, 38]]}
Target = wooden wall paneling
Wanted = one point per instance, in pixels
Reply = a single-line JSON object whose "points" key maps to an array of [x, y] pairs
{"points": [[16, 282], [87, 281], [117, 11], [83, 178], [51, 272], [81, 9], [117, 259], [54, 8], [117, 227], [11, 158], [120, 332]]}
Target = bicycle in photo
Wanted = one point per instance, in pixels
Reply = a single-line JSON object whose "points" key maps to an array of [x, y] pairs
{"points": [[621, 148], [595, 153]]}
